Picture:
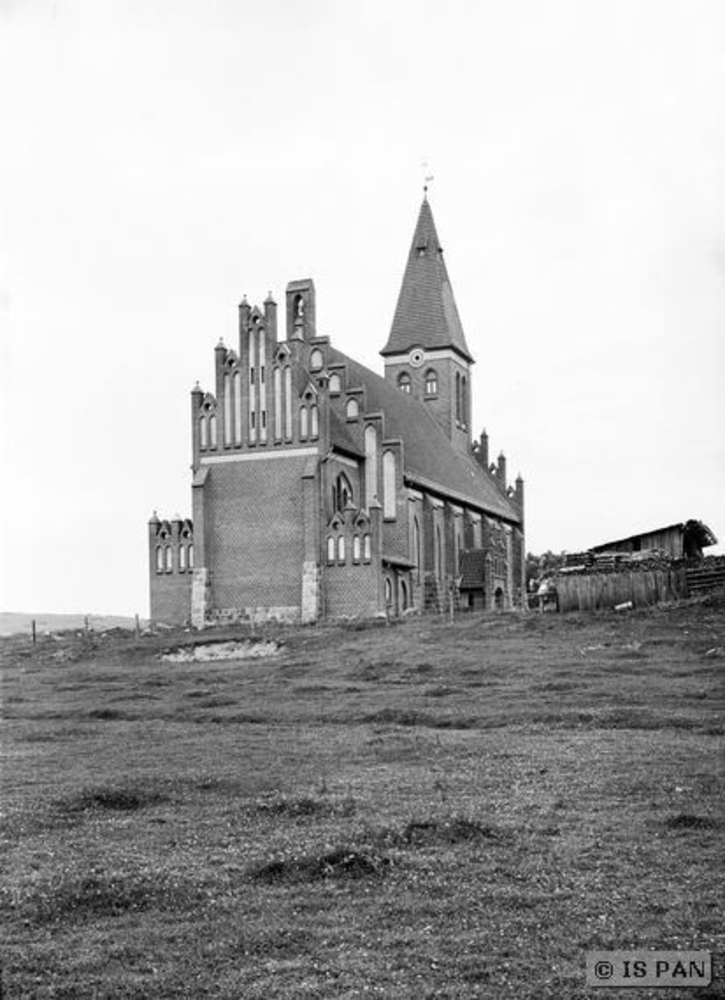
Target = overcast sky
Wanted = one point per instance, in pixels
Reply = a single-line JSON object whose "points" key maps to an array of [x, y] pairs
{"points": [[161, 158]]}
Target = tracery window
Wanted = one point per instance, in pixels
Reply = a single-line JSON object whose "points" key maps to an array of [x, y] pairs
{"points": [[404, 381], [431, 383], [342, 493]]}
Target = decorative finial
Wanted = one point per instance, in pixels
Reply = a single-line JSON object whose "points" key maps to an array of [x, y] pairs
{"points": [[427, 177]]}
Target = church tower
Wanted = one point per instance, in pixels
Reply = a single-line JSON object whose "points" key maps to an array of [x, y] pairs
{"points": [[426, 354]]}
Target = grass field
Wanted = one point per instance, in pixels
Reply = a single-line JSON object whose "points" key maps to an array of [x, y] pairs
{"points": [[415, 810]]}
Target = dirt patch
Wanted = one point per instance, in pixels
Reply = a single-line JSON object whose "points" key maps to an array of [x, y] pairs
{"points": [[211, 651]]}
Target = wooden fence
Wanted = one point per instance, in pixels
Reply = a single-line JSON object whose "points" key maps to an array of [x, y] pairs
{"points": [[592, 591]]}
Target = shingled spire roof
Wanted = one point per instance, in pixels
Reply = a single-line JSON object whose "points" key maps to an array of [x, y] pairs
{"points": [[426, 315]]}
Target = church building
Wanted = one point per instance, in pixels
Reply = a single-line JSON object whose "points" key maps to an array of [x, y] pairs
{"points": [[322, 490]]}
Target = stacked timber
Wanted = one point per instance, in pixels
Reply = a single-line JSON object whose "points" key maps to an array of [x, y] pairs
{"points": [[706, 575]]}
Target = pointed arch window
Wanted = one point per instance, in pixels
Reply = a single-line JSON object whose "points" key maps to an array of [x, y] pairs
{"points": [[227, 410], [182, 558], [203, 433], [335, 384], [431, 382], [464, 401], [262, 390], [212, 431], [342, 494], [367, 548], [314, 421], [389, 485], [252, 388], [304, 428], [237, 402], [330, 549], [356, 549], [277, 382], [404, 382], [371, 464], [352, 409], [169, 559], [252, 343], [341, 549], [190, 557], [417, 552], [298, 312], [159, 559], [288, 402], [316, 360], [458, 397]]}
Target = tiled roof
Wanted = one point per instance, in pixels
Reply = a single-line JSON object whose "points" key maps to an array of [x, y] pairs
{"points": [[430, 459], [473, 568], [426, 315]]}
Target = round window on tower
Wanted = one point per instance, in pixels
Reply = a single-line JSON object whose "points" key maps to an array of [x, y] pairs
{"points": [[416, 358]]}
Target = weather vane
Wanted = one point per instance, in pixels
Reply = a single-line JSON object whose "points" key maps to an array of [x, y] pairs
{"points": [[427, 177]]}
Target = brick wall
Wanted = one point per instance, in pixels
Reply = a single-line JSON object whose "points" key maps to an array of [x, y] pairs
{"points": [[256, 532], [351, 590], [442, 405], [171, 598], [170, 571]]}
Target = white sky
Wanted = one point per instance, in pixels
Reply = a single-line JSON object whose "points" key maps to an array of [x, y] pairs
{"points": [[161, 158]]}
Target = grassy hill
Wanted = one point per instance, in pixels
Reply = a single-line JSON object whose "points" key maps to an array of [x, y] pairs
{"points": [[420, 810]]}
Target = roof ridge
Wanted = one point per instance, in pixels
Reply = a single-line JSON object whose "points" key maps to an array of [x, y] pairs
{"points": [[429, 455]]}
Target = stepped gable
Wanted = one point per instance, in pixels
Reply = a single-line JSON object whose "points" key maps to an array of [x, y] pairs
{"points": [[429, 457], [426, 314]]}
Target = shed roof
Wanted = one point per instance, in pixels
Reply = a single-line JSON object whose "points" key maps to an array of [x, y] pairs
{"points": [[696, 529]]}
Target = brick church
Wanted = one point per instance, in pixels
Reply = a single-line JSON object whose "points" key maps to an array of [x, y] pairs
{"points": [[321, 489]]}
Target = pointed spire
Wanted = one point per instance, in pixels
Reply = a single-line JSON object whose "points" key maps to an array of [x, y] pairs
{"points": [[426, 315]]}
